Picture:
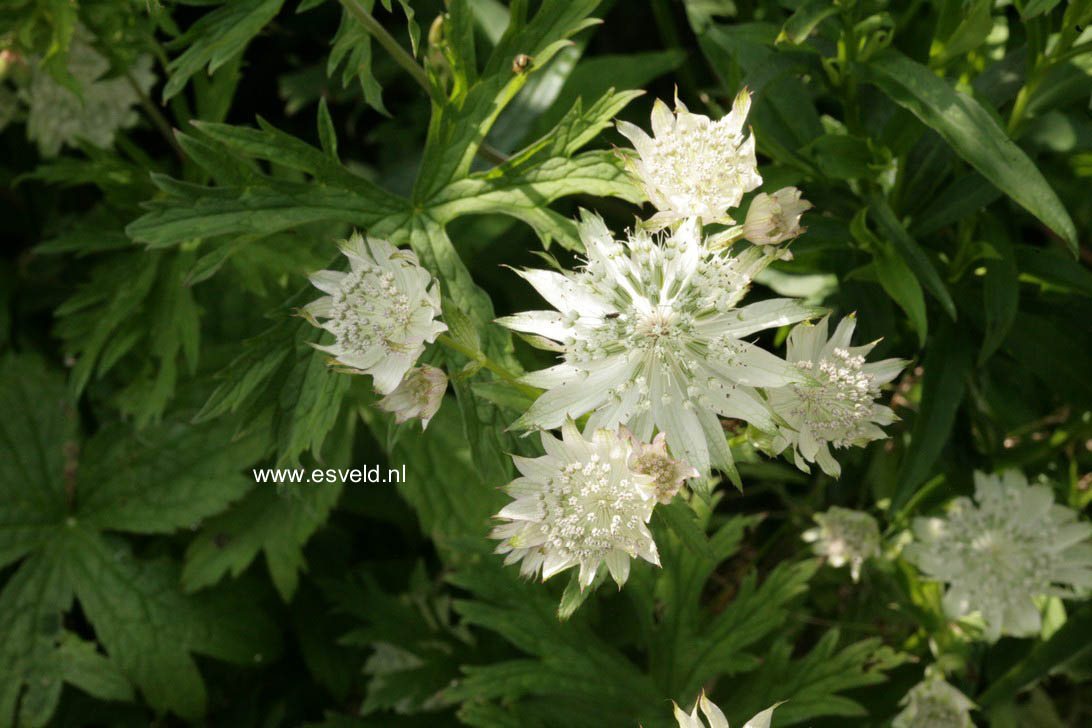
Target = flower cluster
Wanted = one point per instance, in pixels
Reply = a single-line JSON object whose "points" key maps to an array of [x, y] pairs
{"points": [[716, 718], [57, 117], [581, 504], [845, 536], [936, 704], [1000, 553], [381, 312], [652, 338], [836, 405], [694, 167]]}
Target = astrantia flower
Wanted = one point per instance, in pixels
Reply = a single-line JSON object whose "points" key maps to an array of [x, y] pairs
{"points": [[933, 703], [716, 718], [581, 504], [667, 475], [694, 166], [775, 218], [836, 406], [845, 536], [652, 339], [419, 395], [381, 312], [58, 117], [996, 556]]}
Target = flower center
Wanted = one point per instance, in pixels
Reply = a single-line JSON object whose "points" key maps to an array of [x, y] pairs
{"points": [[368, 310], [842, 402]]}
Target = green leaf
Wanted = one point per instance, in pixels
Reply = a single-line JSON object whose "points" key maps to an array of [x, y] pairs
{"points": [[327, 133], [217, 38], [810, 683], [973, 134], [911, 252], [1000, 290], [962, 198], [172, 477], [351, 51], [279, 524], [947, 364], [38, 451], [899, 282], [1072, 638], [806, 18], [149, 628]]}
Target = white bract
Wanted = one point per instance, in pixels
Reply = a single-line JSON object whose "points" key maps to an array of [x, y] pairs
{"points": [[381, 312], [693, 166], [775, 218], [845, 536], [652, 459], [835, 406], [57, 117], [933, 703], [716, 718], [996, 556], [580, 504], [418, 396], [652, 339]]}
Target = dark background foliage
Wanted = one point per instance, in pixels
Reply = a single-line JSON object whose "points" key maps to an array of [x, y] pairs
{"points": [[150, 361]]}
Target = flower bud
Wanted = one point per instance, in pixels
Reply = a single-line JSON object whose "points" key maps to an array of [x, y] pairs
{"points": [[775, 218], [419, 395], [668, 475]]}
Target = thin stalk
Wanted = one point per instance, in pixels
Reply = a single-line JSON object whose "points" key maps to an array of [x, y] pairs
{"points": [[404, 59], [156, 115], [498, 369]]}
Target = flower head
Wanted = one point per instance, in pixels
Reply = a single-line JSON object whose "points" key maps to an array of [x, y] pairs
{"points": [[581, 504], [419, 395], [693, 166], [933, 703], [57, 116], [775, 218], [381, 312], [652, 339], [667, 475], [845, 536], [997, 555], [836, 406], [716, 718]]}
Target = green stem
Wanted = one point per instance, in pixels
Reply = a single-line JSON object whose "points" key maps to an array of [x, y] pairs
{"points": [[404, 59], [489, 364], [156, 115]]}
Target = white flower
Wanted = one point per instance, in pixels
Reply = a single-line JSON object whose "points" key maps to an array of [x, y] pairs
{"points": [[578, 505], [58, 117], [652, 459], [716, 718], [651, 338], [419, 395], [381, 312], [933, 703], [836, 407], [997, 556], [845, 536], [694, 166], [775, 218]]}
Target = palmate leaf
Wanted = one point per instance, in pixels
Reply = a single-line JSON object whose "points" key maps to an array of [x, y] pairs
{"points": [[276, 524], [810, 684], [63, 496]]}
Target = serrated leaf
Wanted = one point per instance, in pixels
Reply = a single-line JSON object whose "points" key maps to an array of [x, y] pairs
{"points": [[974, 135], [217, 38], [38, 450], [172, 477], [276, 524], [149, 628]]}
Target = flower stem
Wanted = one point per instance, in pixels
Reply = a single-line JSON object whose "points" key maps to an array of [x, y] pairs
{"points": [[404, 59], [489, 364]]}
